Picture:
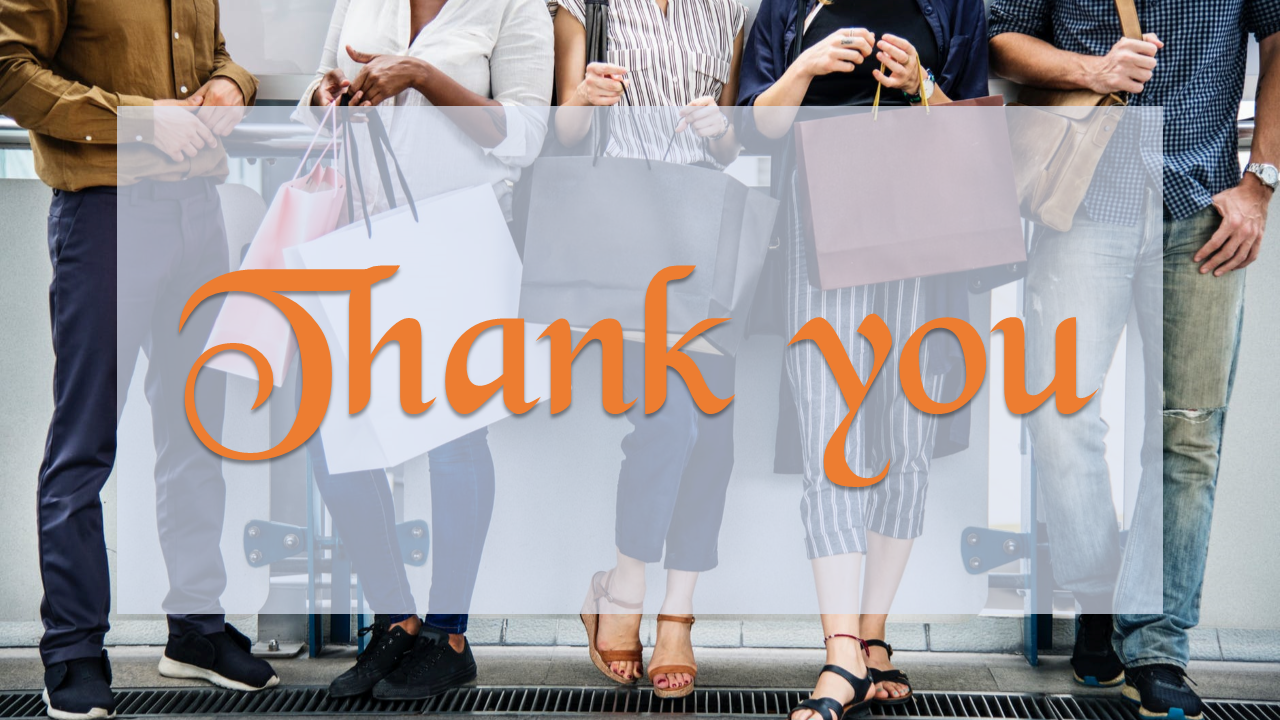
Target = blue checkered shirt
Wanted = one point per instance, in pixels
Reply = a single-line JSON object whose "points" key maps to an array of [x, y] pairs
{"points": [[1198, 80]]}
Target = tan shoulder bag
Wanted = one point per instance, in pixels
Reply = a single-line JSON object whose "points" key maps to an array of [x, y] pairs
{"points": [[1057, 146]]}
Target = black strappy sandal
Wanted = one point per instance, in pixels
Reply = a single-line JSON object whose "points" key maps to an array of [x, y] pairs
{"points": [[832, 709], [893, 676]]}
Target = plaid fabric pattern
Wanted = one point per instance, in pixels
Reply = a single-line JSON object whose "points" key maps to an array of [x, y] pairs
{"points": [[1191, 147]]}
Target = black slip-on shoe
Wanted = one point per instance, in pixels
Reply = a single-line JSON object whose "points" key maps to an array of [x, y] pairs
{"points": [[1162, 693], [1094, 658], [79, 689], [430, 668], [387, 647], [222, 658]]}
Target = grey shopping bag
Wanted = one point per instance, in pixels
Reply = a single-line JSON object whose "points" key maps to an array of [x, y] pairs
{"points": [[600, 228]]}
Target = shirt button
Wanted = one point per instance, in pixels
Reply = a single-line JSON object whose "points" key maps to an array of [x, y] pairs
{"points": [[88, 138], [928, 9], [139, 138], [175, 36], [182, 89]]}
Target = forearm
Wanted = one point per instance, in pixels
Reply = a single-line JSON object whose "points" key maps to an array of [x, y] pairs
{"points": [[573, 118], [1031, 61], [243, 79], [726, 149], [775, 109], [1266, 127], [42, 101], [481, 118]]}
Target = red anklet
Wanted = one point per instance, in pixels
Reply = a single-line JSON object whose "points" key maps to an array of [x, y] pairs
{"points": [[861, 642]]}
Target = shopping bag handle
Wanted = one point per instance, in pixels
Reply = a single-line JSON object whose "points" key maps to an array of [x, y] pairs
{"points": [[381, 151], [924, 99], [331, 117], [608, 131], [381, 144], [596, 17], [353, 160], [597, 28], [703, 142]]}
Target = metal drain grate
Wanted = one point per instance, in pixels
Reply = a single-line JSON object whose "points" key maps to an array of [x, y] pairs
{"points": [[299, 701], [1071, 707]]}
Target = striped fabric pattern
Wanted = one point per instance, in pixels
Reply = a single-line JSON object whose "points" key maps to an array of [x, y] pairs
{"points": [[671, 59], [886, 428]]}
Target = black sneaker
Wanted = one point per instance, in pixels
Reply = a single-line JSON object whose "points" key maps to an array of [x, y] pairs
{"points": [[1161, 692], [386, 648], [430, 668], [1094, 658], [221, 658], [79, 689]]}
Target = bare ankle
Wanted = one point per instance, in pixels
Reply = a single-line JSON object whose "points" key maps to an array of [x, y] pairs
{"points": [[411, 625], [458, 642], [845, 652]]}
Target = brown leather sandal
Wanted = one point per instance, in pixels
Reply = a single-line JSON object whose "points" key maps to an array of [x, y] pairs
{"points": [[691, 670], [591, 621]]}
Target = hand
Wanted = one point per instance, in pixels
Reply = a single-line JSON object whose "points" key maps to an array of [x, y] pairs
{"points": [[332, 86], [841, 51], [178, 132], [900, 59], [1126, 68], [704, 116], [1238, 240], [603, 85], [383, 76], [221, 106]]}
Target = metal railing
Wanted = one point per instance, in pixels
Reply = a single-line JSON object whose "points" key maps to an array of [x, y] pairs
{"points": [[264, 140]]}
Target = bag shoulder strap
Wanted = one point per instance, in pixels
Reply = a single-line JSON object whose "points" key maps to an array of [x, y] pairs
{"points": [[1129, 23], [802, 12]]}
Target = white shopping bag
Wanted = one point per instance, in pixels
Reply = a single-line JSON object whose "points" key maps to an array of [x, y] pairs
{"points": [[458, 268]]}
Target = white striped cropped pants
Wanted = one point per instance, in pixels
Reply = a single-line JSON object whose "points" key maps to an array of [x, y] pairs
{"points": [[836, 518]]}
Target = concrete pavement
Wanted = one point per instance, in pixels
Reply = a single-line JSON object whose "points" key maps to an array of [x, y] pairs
{"points": [[135, 667]]}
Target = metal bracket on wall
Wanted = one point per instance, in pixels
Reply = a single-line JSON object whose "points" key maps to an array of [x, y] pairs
{"points": [[266, 542], [415, 542], [983, 549]]}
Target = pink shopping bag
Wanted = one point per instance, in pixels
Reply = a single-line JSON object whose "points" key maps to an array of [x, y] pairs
{"points": [[303, 209]]}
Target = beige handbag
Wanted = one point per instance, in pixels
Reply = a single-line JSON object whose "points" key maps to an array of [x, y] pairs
{"points": [[1058, 141]]}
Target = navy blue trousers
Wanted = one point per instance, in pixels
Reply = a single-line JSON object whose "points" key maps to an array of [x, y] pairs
{"points": [[462, 492], [676, 468], [171, 241]]}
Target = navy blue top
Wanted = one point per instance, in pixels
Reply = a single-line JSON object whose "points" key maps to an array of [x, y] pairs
{"points": [[903, 18], [959, 28]]}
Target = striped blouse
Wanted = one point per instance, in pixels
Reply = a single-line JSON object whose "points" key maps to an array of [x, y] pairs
{"points": [[671, 60]]}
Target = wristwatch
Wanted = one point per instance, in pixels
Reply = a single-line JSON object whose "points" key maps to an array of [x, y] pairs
{"points": [[723, 131], [1268, 174], [926, 88]]}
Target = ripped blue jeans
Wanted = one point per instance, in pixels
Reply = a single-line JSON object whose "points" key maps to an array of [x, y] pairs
{"points": [[1104, 276]]}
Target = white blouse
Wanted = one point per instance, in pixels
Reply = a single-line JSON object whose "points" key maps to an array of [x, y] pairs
{"points": [[499, 49]]}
